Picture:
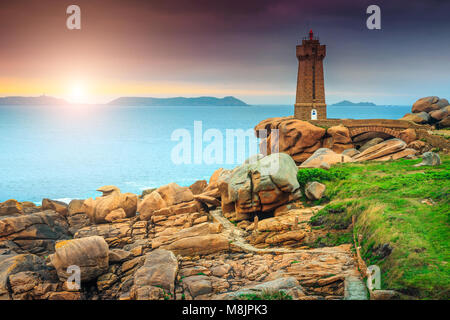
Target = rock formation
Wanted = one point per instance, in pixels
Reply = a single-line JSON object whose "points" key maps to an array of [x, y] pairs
{"points": [[111, 205], [260, 186], [430, 110]]}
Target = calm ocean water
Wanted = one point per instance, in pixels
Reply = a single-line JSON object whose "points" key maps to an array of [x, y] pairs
{"points": [[68, 152]]}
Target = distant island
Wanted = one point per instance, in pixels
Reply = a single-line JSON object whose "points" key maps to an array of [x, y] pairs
{"points": [[32, 101], [129, 101], [178, 101], [358, 104]]}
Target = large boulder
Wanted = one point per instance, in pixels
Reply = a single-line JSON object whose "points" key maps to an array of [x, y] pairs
{"points": [[151, 203], [382, 149], [76, 216], [33, 233], [90, 254], [111, 200], [426, 104], [260, 186], [324, 155], [338, 139], [295, 137], [156, 278], [438, 115]]}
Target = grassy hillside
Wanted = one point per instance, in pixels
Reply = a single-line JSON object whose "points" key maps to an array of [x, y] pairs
{"points": [[402, 220]]}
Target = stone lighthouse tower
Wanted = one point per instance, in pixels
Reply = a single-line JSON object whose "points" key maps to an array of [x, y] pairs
{"points": [[310, 98]]}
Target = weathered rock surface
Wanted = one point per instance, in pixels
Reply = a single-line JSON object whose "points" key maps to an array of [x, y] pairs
{"points": [[10, 207], [90, 254], [198, 186], [261, 186], [426, 104], [112, 199], [430, 110], [174, 194], [429, 159], [13, 264], [166, 201], [314, 190], [117, 234], [388, 147], [418, 145], [351, 152], [288, 285], [33, 233], [324, 155], [338, 139], [58, 206], [295, 137], [444, 123], [76, 217], [156, 278], [370, 143], [408, 135]]}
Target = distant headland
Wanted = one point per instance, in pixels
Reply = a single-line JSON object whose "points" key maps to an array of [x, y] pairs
{"points": [[32, 101], [357, 104], [178, 101], [129, 101]]}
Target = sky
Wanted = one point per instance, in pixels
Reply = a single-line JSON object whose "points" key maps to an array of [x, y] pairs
{"points": [[243, 48]]}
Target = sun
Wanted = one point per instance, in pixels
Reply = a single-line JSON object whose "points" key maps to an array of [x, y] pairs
{"points": [[78, 93]]}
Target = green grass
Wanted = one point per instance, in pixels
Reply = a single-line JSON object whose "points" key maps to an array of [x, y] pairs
{"points": [[266, 295], [332, 239], [385, 198]]}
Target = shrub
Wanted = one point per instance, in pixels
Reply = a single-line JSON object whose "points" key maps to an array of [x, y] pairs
{"points": [[317, 174]]}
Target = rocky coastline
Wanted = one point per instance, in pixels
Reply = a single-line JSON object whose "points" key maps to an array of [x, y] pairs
{"points": [[246, 232]]}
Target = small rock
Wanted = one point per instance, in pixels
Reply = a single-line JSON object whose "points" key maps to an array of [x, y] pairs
{"points": [[314, 190], [10, 207], [429, 159]]}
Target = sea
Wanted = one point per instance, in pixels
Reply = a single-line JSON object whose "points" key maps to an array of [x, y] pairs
{"points": [[67, 152]]}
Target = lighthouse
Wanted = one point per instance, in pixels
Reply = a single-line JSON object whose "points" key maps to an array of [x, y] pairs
{"points": [[310, 96]]}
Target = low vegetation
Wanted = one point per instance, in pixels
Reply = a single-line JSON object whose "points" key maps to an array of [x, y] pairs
{"points": [[317, 174], [402, 216], [265, 295]]}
